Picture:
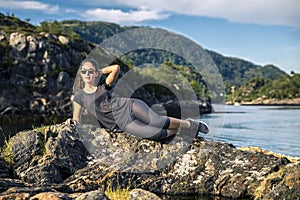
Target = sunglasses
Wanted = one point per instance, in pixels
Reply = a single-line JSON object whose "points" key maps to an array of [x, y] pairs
{"points": [[90, 71]]}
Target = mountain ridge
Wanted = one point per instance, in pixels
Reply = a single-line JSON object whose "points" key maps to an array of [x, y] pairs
{"points": [[226, 64], [236, 72]]}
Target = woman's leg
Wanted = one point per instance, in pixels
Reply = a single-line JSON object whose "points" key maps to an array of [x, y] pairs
{"points": [[178, 123], [144, 113], [140, 129], [147, 123]]}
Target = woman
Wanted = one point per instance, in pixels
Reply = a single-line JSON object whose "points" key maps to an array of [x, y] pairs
{"points": [[130, 115]]}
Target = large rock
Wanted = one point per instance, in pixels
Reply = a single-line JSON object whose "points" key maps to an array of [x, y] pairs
{"points": [[224, 171], [43, 193], [140, 194], [19, 45], [93, 195], [124, 161], [206, 168], [48, 157], [283, 184]]}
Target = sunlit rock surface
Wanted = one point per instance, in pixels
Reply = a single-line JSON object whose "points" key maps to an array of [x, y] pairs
{"points": [[73, 160]]}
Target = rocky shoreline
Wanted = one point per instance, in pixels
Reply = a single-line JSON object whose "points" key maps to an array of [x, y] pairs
{"points": [[268, 102], [59, 162], [279, 102]]}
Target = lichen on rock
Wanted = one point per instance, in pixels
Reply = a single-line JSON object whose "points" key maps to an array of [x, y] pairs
{"points": [[57, 157]]}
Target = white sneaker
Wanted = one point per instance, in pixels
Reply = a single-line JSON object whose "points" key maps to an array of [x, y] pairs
{"points": [[199, 126]]}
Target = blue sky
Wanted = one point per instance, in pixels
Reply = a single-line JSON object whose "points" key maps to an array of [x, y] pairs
{"points": [[262, 32]]}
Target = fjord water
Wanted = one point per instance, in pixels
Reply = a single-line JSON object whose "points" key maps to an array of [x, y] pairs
{"points": [[273, 128]]}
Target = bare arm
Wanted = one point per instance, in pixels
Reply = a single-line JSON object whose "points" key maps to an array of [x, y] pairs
{"points": [[77, 109], [113, 72]]}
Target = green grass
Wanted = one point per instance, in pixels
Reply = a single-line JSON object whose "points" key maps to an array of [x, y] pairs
{"points": [[7, 154], [116, 194]]}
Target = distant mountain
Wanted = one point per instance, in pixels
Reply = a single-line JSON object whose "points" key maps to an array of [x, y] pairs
{"points": [[235, 71]]}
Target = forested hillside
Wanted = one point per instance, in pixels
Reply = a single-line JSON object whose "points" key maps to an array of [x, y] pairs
{"points": [[92, 31], [235, 71], [285, 87]]}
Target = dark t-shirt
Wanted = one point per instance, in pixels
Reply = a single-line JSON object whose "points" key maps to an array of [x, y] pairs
{"points": [[110, 111]]}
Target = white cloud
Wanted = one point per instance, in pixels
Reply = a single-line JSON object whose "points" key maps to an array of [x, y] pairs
{"points": [[28, 5], [119, 16], [267, 12]]}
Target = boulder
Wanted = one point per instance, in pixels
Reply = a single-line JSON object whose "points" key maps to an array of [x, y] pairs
{"points": [[64, 40], [47, 157], [28, 192], [34, 193], [93, 195], [19, 45], [50, 196], [58, 160], [206, 168], [140, 194], [224, 171], [283, 184]]}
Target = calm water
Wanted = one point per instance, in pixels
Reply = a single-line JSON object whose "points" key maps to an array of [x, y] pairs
{"points": [[274, 128]]}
